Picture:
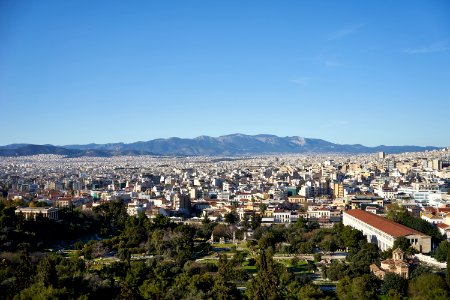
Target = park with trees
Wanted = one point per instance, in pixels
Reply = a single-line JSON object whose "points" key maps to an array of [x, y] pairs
{"points": [[105, 254]]}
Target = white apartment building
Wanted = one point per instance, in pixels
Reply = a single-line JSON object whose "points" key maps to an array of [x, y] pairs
{"points": [[318, 213], [284, 217], [134, 208], [423, 197], [432, 219]]}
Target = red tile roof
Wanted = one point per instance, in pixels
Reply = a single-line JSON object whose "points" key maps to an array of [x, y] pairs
{"points": [[390, 227], [442, 225], [430, 209]]}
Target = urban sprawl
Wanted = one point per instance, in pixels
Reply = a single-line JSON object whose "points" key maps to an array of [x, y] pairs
{"points": [[280, 189], [320, 190]]}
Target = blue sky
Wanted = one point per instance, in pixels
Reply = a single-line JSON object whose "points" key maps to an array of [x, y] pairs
{"points": [[369, 72]]}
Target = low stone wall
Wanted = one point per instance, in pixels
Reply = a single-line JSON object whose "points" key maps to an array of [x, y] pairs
{"points": [[430, 261]]}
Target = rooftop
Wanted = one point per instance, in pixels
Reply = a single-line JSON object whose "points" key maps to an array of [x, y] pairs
{"points": [[390, 227], [442, 225]]}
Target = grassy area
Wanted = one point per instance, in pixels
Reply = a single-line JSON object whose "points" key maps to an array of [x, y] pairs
{"points": [[288, 263], [325, 283], [250, 269], [71, 253], [239, 246], [209, 261], [96, 267], [299, 267]]}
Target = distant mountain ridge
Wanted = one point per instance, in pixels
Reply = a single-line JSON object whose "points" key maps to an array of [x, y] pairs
{"points": [[227, 145], [29, 149]]}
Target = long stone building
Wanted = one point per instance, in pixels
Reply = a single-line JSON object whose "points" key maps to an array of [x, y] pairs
{"points": [[33, 212], [384, 232]]}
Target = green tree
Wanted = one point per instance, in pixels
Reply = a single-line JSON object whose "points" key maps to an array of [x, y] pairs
{"points": [[313, 225], [442, 250], [161, 221], [403, 217], [245, 222], [78, 245], [350, 237], [46, 271], [359, 288], [361, 260], [428, 286], [223, 289], [262, 208], [40, 291], [24, 271], [255, 221], [447, 273], [393, 210], [395, 295], [151, 289], [317, 257], [205, 220], [328, 243], [337, 270], [290, 286], [112, 215], [344, 289], [231, 217], [402, 243], [365, 287], [265, 284], [224, 286], [222, 230], [419, 270], [310, 291], [125, 255], [395, 282], [134, 232], [267, 241], [300, 223]]}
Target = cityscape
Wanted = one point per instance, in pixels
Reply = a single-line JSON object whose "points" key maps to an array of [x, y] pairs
{"points": [[290, 208], [225, 150]]}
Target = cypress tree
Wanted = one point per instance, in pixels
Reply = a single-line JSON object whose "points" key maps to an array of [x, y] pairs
{"points": [[447, 273]]}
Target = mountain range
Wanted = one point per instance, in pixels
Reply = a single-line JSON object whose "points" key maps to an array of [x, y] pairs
{"points": [[227, 145]]}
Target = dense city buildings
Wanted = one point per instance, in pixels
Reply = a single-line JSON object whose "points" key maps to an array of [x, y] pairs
{"points": [[313, 187], [394, 207]]}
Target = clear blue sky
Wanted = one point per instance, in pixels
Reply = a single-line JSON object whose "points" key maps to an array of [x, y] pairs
{"points": [[370, 72]]}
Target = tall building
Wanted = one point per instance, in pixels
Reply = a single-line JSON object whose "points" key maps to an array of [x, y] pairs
{"points": [[389, 164], [436, 164], [381, 155], [195, 193], [338, 190], [182, 203]]}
